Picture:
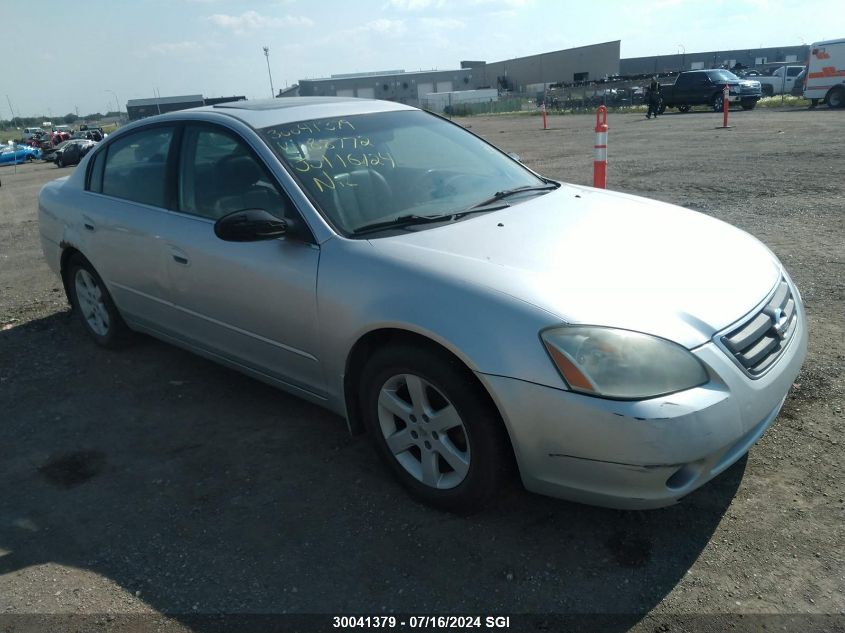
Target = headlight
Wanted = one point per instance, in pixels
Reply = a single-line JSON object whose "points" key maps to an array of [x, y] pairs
{"points": [[621, 364]]}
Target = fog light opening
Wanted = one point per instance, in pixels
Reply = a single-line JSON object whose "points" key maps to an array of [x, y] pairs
{"points": [[684, 476]]}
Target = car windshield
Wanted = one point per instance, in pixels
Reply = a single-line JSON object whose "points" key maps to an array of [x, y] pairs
{"points": [[392, 167], [724, 75]]}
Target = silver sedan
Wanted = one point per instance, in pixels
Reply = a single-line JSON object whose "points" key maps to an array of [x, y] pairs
{"points": [[476, 319]]}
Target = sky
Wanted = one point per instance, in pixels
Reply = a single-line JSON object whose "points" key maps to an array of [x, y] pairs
{"points": [[62, 56]]}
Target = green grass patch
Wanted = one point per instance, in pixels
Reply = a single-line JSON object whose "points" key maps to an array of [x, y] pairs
{"points": [[787, 101]]}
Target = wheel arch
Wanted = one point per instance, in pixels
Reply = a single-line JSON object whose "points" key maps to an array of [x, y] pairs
{"points": [[68, 252], [840, 88], [363, 347]]}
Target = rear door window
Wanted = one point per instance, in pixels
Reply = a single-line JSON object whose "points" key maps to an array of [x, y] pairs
{"points": [[136, 167]]}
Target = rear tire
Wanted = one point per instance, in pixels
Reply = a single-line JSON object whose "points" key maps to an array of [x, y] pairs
{"points": [[683, 109], [435, 428], [93, 304], [749, 105], [768, 91], [836, 98]]}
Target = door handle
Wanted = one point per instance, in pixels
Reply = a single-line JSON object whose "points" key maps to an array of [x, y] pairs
{"points": [[179, 256], [87, 222], [90, 227]]}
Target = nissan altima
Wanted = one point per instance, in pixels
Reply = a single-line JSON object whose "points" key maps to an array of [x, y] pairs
{"points": [[476, 319]]}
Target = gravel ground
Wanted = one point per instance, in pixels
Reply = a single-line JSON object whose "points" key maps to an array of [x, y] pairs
{"points": [[151, 481]]}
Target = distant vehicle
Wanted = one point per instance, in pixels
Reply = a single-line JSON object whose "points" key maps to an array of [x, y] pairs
{"points": [[29, 132], [705, 87], [776, 83], [92, 134], [71, 152], [15, 155], [797, 89], [825, 80], [59, 136]]}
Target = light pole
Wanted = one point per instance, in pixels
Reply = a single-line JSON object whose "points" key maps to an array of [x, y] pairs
{"points": [[266, 50], [116, 102], [684, 57]]}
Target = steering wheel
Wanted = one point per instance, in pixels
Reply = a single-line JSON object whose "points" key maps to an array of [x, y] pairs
{"points": [[439, 183]]}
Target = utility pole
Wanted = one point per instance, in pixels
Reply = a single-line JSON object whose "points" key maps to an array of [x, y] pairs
{"points": [[266, 50], [9, 101]]}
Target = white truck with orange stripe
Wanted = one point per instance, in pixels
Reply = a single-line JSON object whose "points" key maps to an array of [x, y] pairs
{"points": [[825, 78]]}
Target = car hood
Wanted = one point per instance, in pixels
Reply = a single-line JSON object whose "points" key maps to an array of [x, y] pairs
{"points": [[596, 257]]}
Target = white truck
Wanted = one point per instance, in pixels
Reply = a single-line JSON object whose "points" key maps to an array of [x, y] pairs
{"points": [[780, 81], [825, 78]]}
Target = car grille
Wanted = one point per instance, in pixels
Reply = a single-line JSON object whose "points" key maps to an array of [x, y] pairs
{"points": [[758, 342]]}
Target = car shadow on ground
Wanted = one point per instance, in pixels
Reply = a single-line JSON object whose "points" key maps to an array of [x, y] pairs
{"points": [[203, 491]]}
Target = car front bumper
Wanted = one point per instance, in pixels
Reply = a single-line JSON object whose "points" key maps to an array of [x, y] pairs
{"points": [[648, 453]]}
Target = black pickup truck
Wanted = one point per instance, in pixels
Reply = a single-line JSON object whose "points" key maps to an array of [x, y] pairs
{"points": [[705, 87]]}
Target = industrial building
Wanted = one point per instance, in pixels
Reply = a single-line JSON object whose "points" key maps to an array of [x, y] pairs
{"points": [[746, 58], [521, 74], [391, 85], [535, 72], [142, 108]]}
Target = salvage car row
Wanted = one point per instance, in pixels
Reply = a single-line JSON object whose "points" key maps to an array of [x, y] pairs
{"points": [[66, 153]]}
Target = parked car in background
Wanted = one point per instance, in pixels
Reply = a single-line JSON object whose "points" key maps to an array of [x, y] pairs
{"points": [[17, 154], [797, 89], [29, 132], [780, 81], [705, 87], [70, 152], [59, 136], [92, 134], [825, 80], [395, 268]]}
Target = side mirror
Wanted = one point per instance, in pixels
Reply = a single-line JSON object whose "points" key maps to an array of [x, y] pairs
{"points": [[249, 225]]}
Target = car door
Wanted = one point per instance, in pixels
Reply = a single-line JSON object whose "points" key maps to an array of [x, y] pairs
{"points": [[251, 303], [686, 91], [125, 218]]}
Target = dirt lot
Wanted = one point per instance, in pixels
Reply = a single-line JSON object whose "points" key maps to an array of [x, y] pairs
{"points": [[152, 481]]}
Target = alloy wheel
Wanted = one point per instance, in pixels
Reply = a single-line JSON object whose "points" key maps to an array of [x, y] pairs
{"points": [[424, 431], [89, 295]]}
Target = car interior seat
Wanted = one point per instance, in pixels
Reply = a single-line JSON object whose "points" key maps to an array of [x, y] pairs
{"points": [[361, 197]]}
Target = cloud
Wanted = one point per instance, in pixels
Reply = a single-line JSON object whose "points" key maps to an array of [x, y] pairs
{"points": [[506, 3], [443, 23], [383, 26], [167, 48], [416, 5], [253, 21]]}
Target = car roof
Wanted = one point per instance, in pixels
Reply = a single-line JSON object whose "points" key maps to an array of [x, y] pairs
{"points": [[267, 112]]}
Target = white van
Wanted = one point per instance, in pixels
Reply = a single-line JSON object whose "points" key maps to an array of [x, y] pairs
{"points": [[825, 78], [29, 132]]}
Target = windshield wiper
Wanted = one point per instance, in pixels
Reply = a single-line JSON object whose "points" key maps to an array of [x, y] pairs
{"points": [[501, 195], [403, 221]]}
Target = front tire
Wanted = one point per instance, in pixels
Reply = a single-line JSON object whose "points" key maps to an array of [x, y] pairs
{"points": [[435, 428], [59, 162], [718, 102], [683, 109], [748, 105], [93, 304]]}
